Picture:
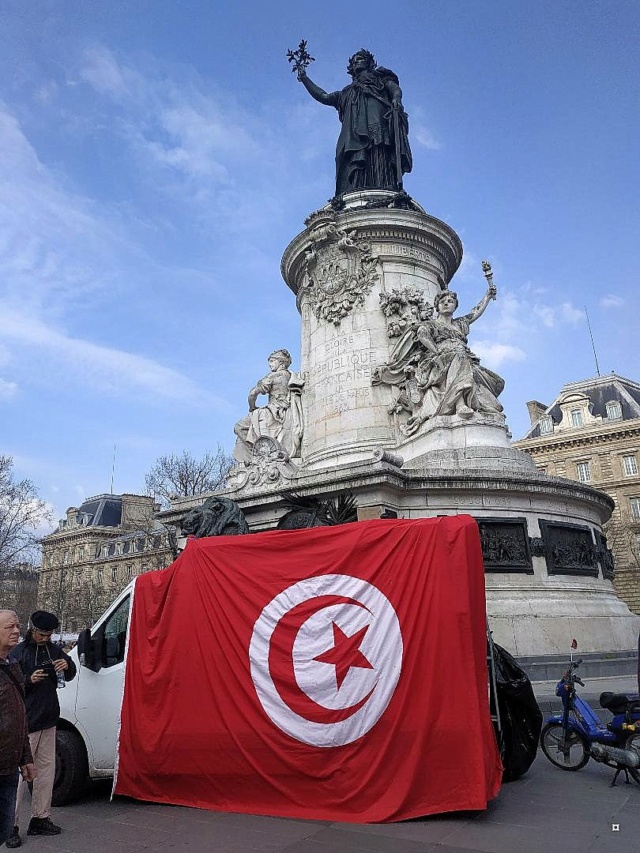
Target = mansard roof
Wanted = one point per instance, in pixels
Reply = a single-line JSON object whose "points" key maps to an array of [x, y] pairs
{"points": [[101, 511], [598, 391]]}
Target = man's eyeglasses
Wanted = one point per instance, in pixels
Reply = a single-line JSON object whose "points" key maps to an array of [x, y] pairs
{"points": [[46, 634]]}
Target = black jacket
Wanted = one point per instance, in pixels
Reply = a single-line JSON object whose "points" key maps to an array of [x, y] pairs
{"points": [[41, 699]]}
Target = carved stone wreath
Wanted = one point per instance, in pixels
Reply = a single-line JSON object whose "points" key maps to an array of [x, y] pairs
{"points": [[340, 271], [269, 465]]}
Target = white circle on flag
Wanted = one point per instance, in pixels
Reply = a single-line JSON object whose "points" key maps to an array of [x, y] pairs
{"points": [[366, 685]]}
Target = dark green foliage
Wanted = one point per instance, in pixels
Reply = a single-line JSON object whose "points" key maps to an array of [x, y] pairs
{"points": [[312, 512]]}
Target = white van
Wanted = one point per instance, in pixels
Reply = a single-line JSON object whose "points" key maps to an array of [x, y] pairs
{"points": [[90, 704]]}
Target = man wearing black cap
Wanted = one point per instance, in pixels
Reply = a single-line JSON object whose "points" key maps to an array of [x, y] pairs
{"points": [[45, 667]]}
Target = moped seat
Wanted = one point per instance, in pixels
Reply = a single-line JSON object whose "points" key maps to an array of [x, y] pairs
{"points": [[619, 703]]}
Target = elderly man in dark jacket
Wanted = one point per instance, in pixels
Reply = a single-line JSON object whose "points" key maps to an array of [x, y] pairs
{"points": [[14, 741], [45, 667]]}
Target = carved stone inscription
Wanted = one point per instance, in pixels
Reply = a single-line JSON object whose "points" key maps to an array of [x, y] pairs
{"points": [[569, 549], [403, 251], [505, 545], [342, 372]]}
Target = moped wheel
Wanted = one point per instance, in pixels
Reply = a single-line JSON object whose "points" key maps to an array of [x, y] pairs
{"points": [[567, 750], [633, 743]]}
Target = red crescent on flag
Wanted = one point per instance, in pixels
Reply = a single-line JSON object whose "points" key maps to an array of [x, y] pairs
{"points": [[282, 669]]}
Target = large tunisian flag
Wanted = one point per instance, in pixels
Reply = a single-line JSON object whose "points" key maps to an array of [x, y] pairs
{"points": [[336, 673]]}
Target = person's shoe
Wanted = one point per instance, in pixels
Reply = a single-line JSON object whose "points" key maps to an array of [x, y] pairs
{"points": [[43, 826], [14, 839]]}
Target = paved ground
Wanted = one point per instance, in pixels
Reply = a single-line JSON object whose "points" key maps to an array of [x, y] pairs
{"points": [[548, 810]]}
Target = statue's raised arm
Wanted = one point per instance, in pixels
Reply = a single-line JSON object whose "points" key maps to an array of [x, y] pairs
{"points": [[373, 147], [492, 293]]}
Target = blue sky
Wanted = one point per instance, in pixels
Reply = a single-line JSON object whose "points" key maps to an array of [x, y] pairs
{"points": [[158, 156]]}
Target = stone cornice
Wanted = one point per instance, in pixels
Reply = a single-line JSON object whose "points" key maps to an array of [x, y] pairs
{"points": [[551, 442], [364, 475], [71, 536], [409, 226]]}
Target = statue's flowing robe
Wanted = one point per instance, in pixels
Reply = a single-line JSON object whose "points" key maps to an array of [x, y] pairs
{"points": [[454, 374], [435, 378], [365, 153]]}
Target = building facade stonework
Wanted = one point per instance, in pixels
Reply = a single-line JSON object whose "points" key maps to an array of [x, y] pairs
{"points": [[591, 433], [96, 551]]}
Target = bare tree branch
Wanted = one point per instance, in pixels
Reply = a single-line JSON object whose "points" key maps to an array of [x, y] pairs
{"points": [[186, 476], [21, 513]]}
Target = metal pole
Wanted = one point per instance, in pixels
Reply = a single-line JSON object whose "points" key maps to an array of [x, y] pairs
{"points": [[593, 346]]}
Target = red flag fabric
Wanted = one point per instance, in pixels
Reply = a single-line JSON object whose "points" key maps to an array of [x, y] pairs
{"points": [[336, 673]]}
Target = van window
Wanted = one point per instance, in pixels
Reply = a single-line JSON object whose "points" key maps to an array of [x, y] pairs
{"points": [[115, 633]]}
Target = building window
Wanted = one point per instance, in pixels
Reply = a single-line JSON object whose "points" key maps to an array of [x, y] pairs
{"points": [[630, 465], [576, 417], [614, 410], [634, 503], [584, 472], [114, 573], [637, 543], [546, 425]]}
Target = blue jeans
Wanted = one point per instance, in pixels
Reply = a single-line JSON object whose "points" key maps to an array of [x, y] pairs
{"points": [[8, 788]]}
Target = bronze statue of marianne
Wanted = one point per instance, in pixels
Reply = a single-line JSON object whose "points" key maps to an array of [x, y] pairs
{"points": [[373, 147]]}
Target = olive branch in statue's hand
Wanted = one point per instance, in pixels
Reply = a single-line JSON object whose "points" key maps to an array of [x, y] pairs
{"points": [[301, 58]]}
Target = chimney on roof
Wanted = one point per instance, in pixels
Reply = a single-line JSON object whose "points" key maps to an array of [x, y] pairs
{"points": [[536, 410]]}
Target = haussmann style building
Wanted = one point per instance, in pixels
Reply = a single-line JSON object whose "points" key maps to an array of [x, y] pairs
{"points": [[95, 551], [591, 433]]}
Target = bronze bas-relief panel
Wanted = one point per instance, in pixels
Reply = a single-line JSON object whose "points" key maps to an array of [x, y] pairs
{"points": [[569, 549], [505, 545]]}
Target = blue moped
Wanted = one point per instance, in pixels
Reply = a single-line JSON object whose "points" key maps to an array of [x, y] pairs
{"points": [[569, 739]]}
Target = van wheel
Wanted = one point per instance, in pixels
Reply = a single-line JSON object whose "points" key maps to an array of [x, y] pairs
{"points": [[72, 768]]}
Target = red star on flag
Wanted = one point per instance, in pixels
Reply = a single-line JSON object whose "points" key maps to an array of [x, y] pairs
{"points": [[345, 653]]}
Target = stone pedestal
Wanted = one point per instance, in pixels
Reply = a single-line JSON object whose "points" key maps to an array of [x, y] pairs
{"points": [[338, 268]]}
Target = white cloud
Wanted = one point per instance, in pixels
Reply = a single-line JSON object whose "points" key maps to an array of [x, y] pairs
{"points": [[494, 355], [54, 248], [546, 314], [101, 70], [557, 315], [425, 137], [571, 314], [180, 127], [513, 315], [611, 301], [7, 389], [17, 153], [469, 268], [100, 367]]}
